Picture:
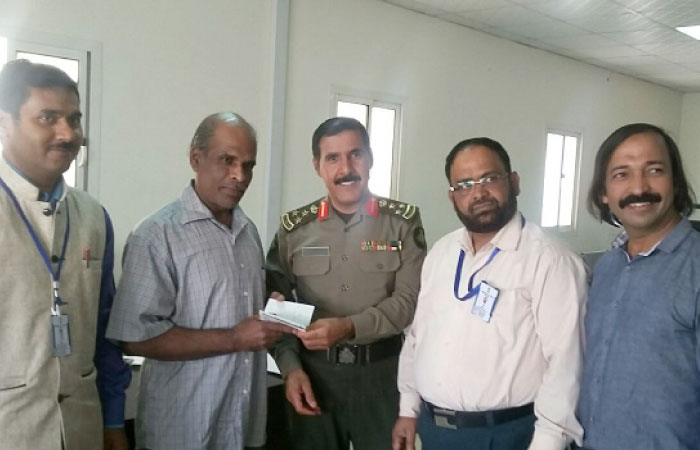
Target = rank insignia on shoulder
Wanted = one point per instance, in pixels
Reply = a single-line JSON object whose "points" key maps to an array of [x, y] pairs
{"points": [[396, 208], [301, 216], [381, 246]]}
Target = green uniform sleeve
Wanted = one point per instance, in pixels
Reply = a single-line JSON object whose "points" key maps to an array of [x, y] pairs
{"points": [[279, 278]]}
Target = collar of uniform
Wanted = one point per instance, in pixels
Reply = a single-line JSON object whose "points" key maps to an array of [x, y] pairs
{"points": [[369, 206], [23, 188], [194, 209], [507, 238]]}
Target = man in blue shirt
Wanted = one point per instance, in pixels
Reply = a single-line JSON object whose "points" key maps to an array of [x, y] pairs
{"points": [[61, 381], [641, 378]]}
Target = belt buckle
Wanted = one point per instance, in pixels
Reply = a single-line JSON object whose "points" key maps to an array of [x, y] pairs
{"points": [[347, 354], [442, 418]]}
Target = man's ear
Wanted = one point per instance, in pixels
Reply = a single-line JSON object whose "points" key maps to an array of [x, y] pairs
{"points": [[317, 166], [195, 158], [6, 125], [515, 181]]}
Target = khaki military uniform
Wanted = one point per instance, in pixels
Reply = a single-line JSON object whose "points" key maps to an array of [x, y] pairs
{"points": [[367, 269]]}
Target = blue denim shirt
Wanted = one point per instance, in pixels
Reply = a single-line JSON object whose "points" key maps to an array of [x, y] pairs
{"points": [[641, 376]]}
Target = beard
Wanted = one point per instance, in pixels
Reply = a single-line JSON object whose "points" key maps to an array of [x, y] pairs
{"points": [[492, 220]]}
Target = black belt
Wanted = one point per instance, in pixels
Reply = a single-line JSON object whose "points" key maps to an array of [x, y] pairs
{"points": [[350, 354], [447, 418]]}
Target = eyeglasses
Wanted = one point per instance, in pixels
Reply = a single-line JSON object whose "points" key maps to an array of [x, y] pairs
{"points": [[469, 185]]}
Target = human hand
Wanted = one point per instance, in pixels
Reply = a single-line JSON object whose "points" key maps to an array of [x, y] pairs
{"points": [[254, 334], [298, 391], [277, 296], [115, 439], [325, 333], [403, 436]]}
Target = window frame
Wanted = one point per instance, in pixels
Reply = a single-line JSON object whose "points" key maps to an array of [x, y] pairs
{"points": [[564, 133], [372, 101], [88, 55]]}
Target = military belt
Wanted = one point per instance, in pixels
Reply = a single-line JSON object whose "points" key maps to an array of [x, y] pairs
{"points": [[350, 354]]}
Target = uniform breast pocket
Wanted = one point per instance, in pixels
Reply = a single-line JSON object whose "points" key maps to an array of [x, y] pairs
{"points": [[380, 261], [308, 265]]}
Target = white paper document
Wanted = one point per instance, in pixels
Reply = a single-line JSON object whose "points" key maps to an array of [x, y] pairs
{"points": [[296, 315]]}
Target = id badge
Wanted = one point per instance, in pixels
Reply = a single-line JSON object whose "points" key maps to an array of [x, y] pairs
{"points": [[61, 335], [485, 301]]}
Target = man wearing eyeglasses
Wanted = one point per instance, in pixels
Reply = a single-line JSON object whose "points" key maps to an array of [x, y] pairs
{"points": [[493, 358]]}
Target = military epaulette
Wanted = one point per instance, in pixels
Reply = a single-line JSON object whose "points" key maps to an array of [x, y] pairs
{"points": [[397, 208], [301, 216]]}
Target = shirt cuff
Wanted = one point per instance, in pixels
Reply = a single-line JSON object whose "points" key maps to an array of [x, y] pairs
{"points": [[363, 326], [114, 412], [545, 441], [287, 362], [409, 405]]}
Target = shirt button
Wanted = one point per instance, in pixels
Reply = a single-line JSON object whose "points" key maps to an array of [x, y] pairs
{"points": [[592, 419], [242, 266], [54, 258], [61, 397], [246, 360], [344, 287], [345, 257], [245, 293], [245, 391]]}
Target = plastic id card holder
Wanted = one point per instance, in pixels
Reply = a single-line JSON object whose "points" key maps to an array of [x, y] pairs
{"points": [[60, 335]]}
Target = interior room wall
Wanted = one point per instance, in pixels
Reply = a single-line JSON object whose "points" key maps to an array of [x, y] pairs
{"points": [[165, 65], [689, 142], [454, 83]]}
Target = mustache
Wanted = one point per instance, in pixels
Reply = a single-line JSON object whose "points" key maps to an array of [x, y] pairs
{"points": [[479, 203], [646, 197], [348, 178], [70, 146]]}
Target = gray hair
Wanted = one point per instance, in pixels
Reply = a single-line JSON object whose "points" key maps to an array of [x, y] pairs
{"points": [[205, 130]]}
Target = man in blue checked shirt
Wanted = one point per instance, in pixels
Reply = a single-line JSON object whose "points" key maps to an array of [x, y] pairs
{"points": [[61, 381], [641, 379]]}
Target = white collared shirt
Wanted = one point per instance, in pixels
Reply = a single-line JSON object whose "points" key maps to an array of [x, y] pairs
{"points": [[531, 349]]}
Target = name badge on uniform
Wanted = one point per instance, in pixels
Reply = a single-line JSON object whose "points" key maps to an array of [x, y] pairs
{"points": [[485, 301], [60, 335]]}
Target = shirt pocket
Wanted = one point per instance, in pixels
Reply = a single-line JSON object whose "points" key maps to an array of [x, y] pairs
{"points": [[310, 265], [12, 382], [388, 261]]}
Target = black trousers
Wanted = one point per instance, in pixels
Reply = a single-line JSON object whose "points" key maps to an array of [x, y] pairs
{"points": [[359, 404]]}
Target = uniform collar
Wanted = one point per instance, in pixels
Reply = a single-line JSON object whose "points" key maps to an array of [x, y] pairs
{"points": [[23, 188], [369, 207]]}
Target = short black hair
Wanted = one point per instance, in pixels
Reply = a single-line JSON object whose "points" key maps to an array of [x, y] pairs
{"points": [[684, 197], [472, 142], [20, 75], [337, 125], [205, 130]]}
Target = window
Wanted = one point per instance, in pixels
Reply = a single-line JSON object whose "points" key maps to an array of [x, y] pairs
{"points": [[382, 122], [560, 180], [75, 64]]}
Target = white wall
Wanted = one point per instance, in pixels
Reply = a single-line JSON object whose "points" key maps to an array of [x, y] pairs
{"points": [[456, 83], [166, 64], [689, 142]]}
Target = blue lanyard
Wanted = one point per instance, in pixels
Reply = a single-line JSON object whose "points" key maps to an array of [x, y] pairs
{"points": [[473, 290], [56, 276]]}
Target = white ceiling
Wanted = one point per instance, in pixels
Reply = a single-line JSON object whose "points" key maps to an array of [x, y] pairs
{"points": [[634, 37]]}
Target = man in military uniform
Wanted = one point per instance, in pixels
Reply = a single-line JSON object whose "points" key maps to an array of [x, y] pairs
{"points": [[356, 258]]}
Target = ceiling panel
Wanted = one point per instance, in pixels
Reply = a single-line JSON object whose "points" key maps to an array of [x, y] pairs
{"points": [[635, 37]]}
